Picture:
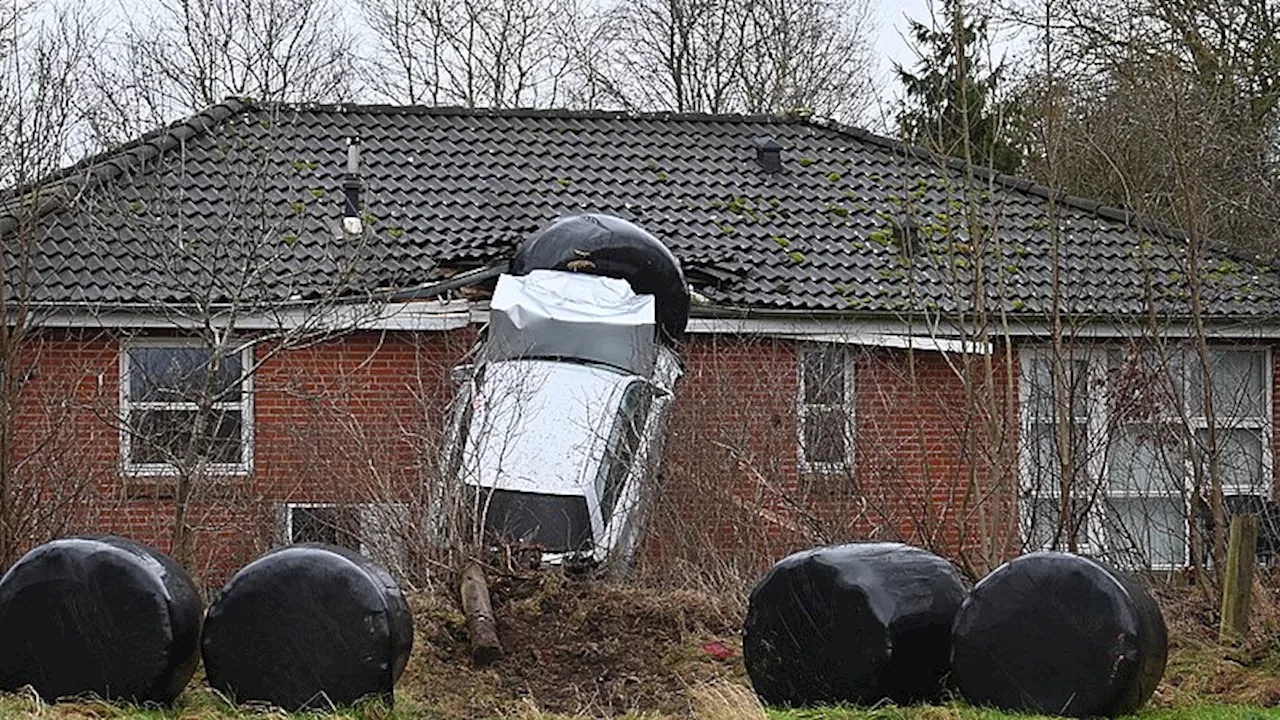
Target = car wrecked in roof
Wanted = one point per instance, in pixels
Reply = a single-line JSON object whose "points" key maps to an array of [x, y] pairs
{"points": [[558, 427]]}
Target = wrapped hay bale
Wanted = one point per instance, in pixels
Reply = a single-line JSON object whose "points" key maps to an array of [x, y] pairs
{"points": [[610, 246], [98, 616], [1059, 634], [308, 627], [854, 623]]}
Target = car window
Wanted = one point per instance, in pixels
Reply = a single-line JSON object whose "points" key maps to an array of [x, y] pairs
{"points": [[624, 441]]}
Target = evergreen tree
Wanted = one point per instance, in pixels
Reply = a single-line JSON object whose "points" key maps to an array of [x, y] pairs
{"points": [[953, 95]]}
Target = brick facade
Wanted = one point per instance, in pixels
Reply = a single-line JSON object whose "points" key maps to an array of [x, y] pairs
{"points": [[359, 418]]}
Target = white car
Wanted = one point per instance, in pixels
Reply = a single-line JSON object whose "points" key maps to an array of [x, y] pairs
{"points": [[558, 428]]}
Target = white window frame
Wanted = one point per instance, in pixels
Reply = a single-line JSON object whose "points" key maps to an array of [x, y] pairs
{"points": [[1098, 359], [127, 405], [1095, 466], [849, 407]]}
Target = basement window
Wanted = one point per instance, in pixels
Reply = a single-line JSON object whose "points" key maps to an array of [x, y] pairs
{"points": [[329, 524], [375, 530], [825, 409], [185, 410]]}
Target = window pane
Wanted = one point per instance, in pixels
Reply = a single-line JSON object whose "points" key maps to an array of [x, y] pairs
{"points": [[1239, 388], [825, 436], [1142, 532], [1044, 396], [1043, 526], [1142, 384], [1146, 459], [824, 380], [166, 436], [331, 525], [1045, 459], [160, 436], [178, 374], [1239, 458], [225, 438], [624, 441]]}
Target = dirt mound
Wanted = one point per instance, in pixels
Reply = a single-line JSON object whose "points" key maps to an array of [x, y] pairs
{"points": [[575, 645]]}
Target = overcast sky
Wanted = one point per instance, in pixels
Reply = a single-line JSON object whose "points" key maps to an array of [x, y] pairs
{"points": [[890, 46], [890, 18]]}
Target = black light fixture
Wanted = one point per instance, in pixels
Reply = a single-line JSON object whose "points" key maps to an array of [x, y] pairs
{"points": [[351, 186], [769, 154]]}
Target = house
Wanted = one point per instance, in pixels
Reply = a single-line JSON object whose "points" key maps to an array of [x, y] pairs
{"points": [[241, 330]]}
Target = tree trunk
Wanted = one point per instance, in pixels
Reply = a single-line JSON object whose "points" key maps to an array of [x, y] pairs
{"points": [[481, 626]]}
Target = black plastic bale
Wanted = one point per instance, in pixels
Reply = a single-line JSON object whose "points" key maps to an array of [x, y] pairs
{"points": [[1059, 634], [98, 616], [610, 246], [308, 627], [855, 623]]}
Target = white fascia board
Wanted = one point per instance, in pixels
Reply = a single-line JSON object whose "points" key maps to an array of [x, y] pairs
{"points": [[403, 316], [905, 342], [947, 331], [873, 333]]}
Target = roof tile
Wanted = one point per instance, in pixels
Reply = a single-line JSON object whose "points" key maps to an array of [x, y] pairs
{"points": [[250, 202]]}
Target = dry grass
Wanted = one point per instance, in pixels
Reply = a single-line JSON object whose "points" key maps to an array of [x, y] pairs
{"points": [[1201, 670], [726, 701]]}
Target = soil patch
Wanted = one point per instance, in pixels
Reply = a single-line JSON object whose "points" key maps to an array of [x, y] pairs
{"points": [[576, 646]]}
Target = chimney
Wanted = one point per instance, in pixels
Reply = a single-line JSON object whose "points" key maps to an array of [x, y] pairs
{"points": [[351, 186], [769, 154]]}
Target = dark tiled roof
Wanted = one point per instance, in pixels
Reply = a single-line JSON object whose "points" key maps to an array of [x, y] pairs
{"points": [[245, 201]]}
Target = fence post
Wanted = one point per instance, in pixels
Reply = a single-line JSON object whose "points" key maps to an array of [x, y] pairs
{"points": [[1237, 589]]}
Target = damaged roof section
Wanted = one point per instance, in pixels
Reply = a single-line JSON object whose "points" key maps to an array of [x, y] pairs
{"points": [[768, 213]]}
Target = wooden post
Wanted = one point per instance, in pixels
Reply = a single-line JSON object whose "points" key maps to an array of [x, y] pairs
{"points": [[1237, 589], [481, 625]]}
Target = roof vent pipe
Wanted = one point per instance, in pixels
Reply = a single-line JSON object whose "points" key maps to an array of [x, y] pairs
{"points": [[769, 154], [351, 187]]}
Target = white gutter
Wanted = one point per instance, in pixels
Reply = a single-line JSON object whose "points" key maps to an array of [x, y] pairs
{"points": [[433, 315], [403, 316], [945, 331], [906, 342]]}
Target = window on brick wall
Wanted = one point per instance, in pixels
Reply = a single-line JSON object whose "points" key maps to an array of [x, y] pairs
{"points": [[181, 409], [825, 408], [374, 530], [329, 524], [1126, 434]]}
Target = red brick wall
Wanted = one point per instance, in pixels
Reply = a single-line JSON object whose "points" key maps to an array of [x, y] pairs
{"points": [[358, 418], [937, 442], [351, 419], [925, 471]]}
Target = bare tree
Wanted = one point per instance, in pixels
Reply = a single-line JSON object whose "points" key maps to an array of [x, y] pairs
{"points": [[754, 56], [190, 54], [1155, 106], [1120, 68], [477, 53], [223, 293], [809, 55], [42, 58]]}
